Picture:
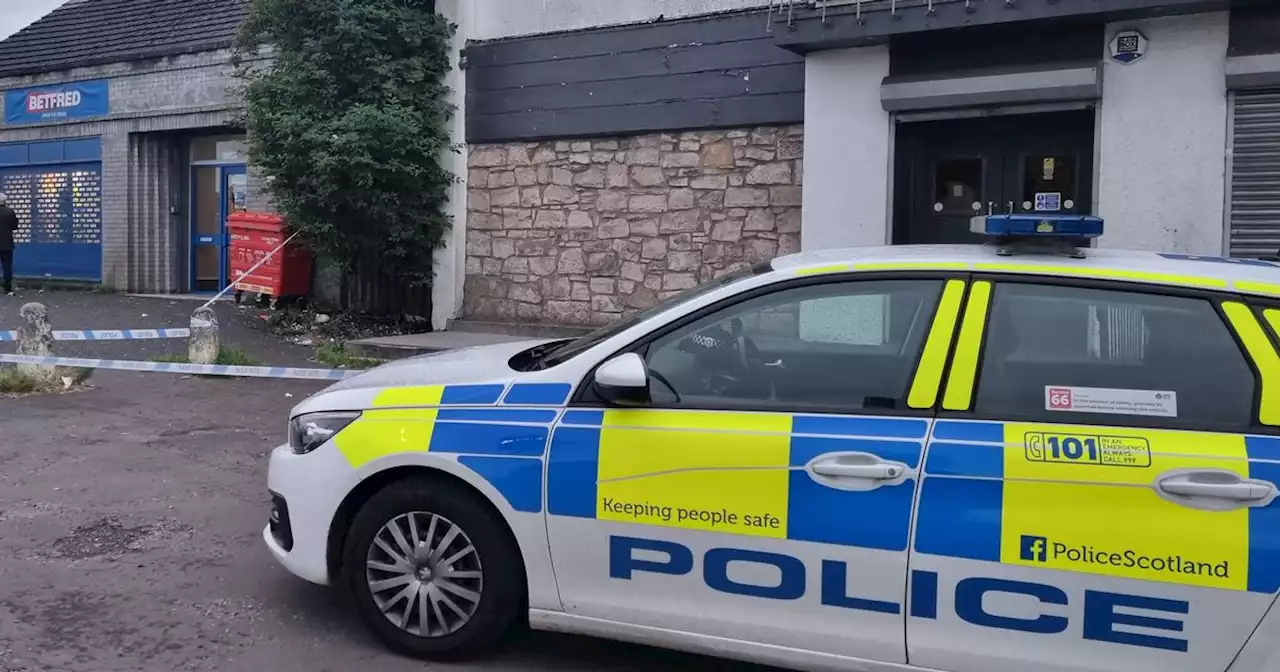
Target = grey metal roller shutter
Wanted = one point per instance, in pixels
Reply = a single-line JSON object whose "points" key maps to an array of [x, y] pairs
{"points": [[1255, 174]]}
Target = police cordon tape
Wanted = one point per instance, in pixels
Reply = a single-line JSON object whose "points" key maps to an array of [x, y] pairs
{"points": [[173, 367], [107, 334]]}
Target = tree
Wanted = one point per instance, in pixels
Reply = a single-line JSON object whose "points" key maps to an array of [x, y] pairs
{"points": [[347, 120]]}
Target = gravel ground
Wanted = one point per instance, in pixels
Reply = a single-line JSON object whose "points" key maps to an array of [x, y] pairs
{"points": [[130, 515]]}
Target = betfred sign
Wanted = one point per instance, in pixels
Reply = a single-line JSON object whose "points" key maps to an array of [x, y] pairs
{"points": [[74, 100], [52, 102]]}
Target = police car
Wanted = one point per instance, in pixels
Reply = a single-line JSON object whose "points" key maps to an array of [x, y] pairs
{"points": [[1015, 456]]}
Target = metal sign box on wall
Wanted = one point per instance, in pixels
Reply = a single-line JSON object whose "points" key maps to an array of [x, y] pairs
{"points": [[57, 102]]}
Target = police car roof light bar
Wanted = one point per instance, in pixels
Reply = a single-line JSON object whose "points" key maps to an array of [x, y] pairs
{"points": [[1037, 234]]}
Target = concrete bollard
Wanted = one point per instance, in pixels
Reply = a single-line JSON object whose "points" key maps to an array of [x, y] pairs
{"points": [[35, 339], [204, 337]]}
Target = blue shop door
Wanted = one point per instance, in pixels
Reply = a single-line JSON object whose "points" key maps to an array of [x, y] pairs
{"points": [[59, 209], [217, 192]]}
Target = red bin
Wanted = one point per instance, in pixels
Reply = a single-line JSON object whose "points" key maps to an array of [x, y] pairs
{"points": [[253, 236]]}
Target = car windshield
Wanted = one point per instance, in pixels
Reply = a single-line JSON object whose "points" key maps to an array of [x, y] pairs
{"points": [[576, 347]]}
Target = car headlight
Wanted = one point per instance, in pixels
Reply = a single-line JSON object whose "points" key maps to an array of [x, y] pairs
{"points": [[309, 431]]}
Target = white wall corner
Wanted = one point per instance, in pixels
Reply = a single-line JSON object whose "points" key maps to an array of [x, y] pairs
{"points": [[847, 169], [450, 259], [1162, 137]]}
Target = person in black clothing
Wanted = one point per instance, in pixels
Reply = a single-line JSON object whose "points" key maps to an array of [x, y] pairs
{"points": [[8, 226]]}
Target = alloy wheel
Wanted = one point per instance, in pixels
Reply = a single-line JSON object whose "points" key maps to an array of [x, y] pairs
{"points": [[424, 574]]}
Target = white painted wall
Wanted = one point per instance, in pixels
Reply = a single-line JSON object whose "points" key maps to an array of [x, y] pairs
{"points": [[847, 170], [1162, 138], [450, 261], [507, 18]]}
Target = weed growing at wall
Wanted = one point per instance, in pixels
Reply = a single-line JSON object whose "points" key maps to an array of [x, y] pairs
{"points": [[347, 122]]}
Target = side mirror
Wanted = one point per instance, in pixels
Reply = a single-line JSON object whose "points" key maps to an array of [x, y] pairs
{"points": [[624, 380]]}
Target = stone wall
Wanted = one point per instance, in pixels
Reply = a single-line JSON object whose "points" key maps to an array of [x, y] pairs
{"points": [[581, 232]]}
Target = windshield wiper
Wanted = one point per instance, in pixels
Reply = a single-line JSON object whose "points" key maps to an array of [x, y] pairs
{"points": [[547, 350]]}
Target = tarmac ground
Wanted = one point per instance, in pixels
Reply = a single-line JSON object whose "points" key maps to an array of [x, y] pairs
{"points": [[131, 515]]}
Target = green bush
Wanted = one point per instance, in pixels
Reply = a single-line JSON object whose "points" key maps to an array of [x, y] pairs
{"points": [[348, 121]]}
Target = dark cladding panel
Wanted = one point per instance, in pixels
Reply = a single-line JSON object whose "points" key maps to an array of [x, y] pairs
{"points": [[1255, 30], [674, 115], [708, 72], [621, 39], [996, 47], [755, 82], [715, 59]]}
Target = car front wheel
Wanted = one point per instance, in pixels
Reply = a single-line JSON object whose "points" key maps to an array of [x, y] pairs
{"points": [[433, 570]]}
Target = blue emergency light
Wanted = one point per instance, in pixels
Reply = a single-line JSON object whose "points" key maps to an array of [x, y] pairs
{"points": [[1037, 234], [1032, 226]]}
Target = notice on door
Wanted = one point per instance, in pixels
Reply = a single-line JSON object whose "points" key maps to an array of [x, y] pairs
{"points": [[238, 185], [1153, 403], [1048, 201]]}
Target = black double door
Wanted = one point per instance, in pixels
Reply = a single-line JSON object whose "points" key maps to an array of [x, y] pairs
{"points": [[950, 171]]}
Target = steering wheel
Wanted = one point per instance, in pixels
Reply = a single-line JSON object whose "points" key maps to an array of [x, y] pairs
{"points": [[654, 374], [743, 346], [723, 354], [746, 352], [740, 344]]}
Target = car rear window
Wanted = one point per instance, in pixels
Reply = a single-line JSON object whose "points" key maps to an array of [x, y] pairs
{"points": [[1043, 337]]}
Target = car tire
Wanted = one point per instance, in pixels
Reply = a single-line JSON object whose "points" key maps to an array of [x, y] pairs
{"points": [[502, 582]]}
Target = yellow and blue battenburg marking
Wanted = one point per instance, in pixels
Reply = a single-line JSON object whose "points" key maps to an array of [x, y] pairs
{"points": [[924, 389], [498, 431], [1082, 499], [736, 473]]}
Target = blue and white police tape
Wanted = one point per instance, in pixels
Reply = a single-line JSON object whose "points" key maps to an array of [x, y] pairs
{"points": [[107, 334], [193, 369]]}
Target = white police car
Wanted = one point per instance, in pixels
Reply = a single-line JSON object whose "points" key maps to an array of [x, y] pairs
{"points": [[968, 458]]}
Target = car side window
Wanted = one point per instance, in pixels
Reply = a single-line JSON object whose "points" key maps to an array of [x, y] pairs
{"points": [[844, 345], [1070, 354]]}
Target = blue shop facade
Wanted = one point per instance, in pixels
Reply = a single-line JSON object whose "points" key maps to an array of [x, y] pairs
{"points": [[123, 158], [55, 186]]}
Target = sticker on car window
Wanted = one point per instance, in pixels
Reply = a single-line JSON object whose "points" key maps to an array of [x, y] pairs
{"points": [[1154, 403]]}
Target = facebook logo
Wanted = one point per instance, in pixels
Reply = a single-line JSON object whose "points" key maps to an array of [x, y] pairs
{"points": [[1034, 549]]}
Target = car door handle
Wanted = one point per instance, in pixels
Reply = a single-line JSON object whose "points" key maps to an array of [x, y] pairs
{"points": [[1222, 486], [835, 468], [1184, 486]]}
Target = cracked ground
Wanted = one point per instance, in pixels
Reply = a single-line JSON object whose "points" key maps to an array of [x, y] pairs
{"points": [[131, 515]]}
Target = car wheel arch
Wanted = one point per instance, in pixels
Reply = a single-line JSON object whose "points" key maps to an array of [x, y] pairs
{"points": [[375, 482]]}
